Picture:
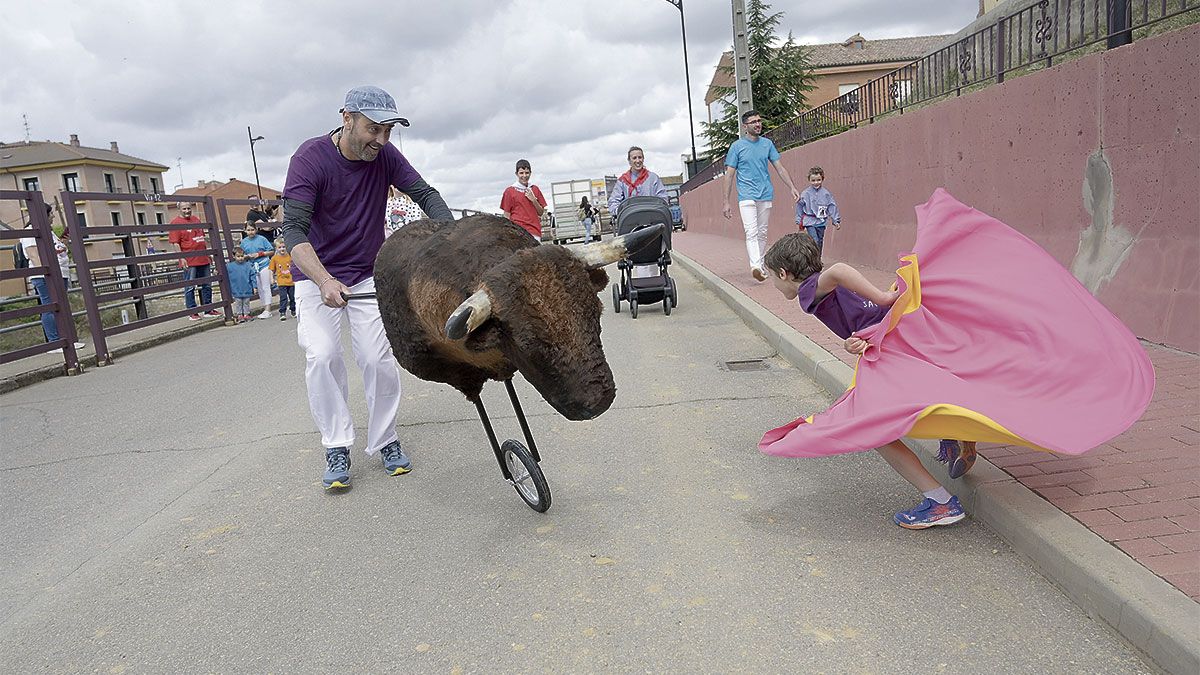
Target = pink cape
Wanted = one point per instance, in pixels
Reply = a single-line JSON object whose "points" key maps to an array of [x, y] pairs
{"points": [[992, 340]]}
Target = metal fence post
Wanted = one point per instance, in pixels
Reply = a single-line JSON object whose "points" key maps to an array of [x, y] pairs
{"points": [[87, 287], [1119, 27], [218, 268], [135, 276], [1001, 47]]}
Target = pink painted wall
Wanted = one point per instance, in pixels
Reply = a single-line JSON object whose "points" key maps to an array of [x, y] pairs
{"points": [[1024, 152]]}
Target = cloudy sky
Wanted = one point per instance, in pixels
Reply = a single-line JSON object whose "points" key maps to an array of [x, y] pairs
{"points": [[568, 84]]}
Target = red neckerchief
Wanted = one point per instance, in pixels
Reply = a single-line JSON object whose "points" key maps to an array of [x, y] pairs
{"points": [[633, 184]]}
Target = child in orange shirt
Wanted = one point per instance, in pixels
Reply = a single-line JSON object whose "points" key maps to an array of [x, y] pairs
{"points": [[281, 267]]}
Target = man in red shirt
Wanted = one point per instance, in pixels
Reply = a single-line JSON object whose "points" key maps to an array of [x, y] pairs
{"points": [[523, 203], [194, 267]]}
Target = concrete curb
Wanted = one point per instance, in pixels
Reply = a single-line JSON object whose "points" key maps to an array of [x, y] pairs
{"points": [[40, 373], [1155, 617]]}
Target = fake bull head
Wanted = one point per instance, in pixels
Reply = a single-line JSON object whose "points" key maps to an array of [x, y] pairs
{"points": [[539, 308]]}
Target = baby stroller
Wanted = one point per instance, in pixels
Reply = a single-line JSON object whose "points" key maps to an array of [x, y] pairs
{"points": [[636, 213]]}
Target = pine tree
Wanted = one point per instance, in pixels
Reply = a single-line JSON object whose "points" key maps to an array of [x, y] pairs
{"points": [[780, 76]]}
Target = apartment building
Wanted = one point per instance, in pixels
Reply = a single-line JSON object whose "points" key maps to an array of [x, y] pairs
{"points": [[51, 167], [838, 67]]}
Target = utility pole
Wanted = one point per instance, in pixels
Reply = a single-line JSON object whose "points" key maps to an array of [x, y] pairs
{"points": [[741, 61]]}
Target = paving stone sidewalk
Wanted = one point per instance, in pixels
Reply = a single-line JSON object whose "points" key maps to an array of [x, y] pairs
{"points": [[1140, 492]]}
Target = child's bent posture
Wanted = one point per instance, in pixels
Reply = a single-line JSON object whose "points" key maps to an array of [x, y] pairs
{"points": [[967, 347], [843, 299]]}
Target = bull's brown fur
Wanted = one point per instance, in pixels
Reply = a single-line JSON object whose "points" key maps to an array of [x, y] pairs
{"points": [[545, 314]]}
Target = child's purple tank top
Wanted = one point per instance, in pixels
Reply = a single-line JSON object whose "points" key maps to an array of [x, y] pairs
{"points": [[843, 311]]}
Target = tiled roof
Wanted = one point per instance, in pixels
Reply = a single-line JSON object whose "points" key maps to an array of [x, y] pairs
{"points": [[845, 53], [873, 51], [45, 152], [232, 189]]}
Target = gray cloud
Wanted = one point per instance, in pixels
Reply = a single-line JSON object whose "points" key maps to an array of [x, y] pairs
{"points": [[568, 84]]}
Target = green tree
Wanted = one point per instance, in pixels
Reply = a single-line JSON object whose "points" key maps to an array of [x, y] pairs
{"points": [[780, 75]]}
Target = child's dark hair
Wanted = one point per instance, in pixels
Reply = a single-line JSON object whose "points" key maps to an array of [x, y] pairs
{"points": [[523, 164], [816, 171], [796, 254]]}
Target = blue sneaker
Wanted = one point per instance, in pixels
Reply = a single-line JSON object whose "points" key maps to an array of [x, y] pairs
{"points": [[959, 455], [337, 468], [395, 462], [929, 513]]}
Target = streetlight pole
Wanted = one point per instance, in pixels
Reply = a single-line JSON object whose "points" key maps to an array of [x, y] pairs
{"points": [[687, 81], [253, 139]]}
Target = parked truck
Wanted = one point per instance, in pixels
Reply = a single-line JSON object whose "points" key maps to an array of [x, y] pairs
{"points": [[564, 198]]}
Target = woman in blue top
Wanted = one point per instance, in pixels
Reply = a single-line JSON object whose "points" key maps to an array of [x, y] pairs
{"points": [[258, 251]]}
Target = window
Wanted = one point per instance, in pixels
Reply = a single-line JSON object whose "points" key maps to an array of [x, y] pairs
{"points": [[141, 217], [80, 219], [71, 182], [135, 184], [31, 184], [158, 217], [115, 216], [110, 183], [154, 185], [848, 94]]}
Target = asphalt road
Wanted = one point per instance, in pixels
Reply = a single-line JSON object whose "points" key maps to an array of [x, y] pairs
{"points": [[165, 515]]}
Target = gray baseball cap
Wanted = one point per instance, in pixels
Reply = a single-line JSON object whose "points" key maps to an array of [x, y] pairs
{"points": [[375, 104]]}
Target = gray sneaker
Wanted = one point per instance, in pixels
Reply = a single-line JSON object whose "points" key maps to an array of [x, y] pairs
{"points": [[337, 468], [395, 462]]}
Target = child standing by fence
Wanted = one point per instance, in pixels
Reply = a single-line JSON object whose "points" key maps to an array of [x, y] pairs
{"points": [[243, 283], [816, 208], [281, 267], [258, 252]]}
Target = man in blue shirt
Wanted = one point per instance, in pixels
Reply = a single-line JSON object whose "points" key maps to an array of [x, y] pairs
{"points": [[746, 164]]}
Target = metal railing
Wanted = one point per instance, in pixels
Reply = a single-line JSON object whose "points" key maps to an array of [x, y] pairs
{"points": [[1034, 37], [1030, 38], [130, 280], [138, 278], [52, 275]]}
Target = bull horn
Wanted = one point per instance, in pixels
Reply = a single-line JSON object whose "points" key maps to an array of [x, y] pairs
{"points": [[470, 315], [598, 255]]}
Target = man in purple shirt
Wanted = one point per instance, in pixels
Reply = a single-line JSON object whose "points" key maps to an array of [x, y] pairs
{"points": [[334, 204]]}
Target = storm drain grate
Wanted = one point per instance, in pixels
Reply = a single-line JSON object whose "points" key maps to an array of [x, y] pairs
{"points": [[746, 365]]}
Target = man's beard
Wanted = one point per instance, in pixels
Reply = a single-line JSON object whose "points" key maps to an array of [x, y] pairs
{"points": [[360, 149]]}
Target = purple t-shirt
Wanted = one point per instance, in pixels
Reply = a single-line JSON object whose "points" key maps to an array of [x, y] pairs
{"points": [[843, 311], [349, 201]]}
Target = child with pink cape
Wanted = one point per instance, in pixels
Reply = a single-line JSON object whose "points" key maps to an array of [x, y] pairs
{"points": [[985, 337]]}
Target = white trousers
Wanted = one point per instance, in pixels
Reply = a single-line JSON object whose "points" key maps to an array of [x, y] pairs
{"points": [[264, 288], [319, 332], [755, 218]]}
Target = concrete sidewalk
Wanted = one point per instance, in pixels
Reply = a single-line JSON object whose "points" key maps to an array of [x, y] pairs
{"points": [[1118, 528]]}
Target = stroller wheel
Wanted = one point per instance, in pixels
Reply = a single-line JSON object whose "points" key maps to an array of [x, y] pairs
{"points": [[633, 308], [674, 295], [616, 298], [666, 305]]}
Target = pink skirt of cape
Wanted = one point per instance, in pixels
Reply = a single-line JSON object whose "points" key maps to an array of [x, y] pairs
{"points": [[1000, 330]]}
